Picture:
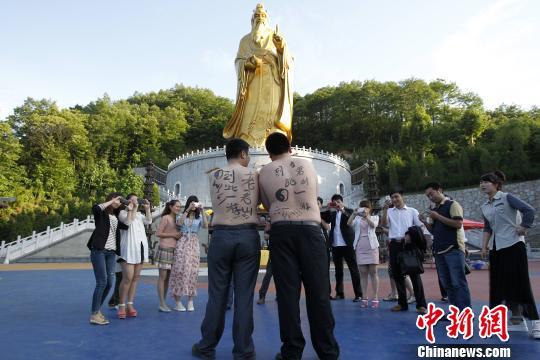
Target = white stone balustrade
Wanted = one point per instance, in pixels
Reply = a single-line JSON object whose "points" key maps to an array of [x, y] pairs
{"points": [[24, 246]]}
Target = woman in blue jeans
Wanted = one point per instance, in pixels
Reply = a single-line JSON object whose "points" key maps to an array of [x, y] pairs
{"points": [[104, 245]]}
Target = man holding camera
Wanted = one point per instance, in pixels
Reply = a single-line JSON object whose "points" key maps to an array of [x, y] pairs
{"points": [[445, 222], [342, 238]]}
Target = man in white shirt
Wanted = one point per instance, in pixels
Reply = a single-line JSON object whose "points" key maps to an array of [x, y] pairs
{"points": [[398, 220]]}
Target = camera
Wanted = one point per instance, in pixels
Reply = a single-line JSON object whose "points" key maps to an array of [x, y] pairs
{"points": [[124, 201], [197, 205], [361, 210], [141, 201]]}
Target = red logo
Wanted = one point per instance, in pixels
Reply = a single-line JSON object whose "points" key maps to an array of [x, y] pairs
{"points": [[490, 322], [493, 322], [460, 323], [429, 320]]}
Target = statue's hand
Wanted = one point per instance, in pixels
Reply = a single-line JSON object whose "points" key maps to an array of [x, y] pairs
{"points": [[252, 63], [279, 42]]}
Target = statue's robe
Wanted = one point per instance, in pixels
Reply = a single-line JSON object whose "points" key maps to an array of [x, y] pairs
{"points": [[264, 99]]}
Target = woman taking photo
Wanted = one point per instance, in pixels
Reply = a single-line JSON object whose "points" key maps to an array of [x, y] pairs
{"points": [[133, 252], [506, 219], [168, 236], [366, 248], [104, 245], [185, 269]]}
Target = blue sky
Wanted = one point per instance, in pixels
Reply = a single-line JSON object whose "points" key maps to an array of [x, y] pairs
{"points": [[75, 51]]}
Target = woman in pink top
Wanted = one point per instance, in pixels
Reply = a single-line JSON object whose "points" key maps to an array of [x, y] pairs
{"points": [[168, 235]]}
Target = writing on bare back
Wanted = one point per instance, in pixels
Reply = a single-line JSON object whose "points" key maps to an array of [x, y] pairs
{"points": [[291, 186], [234, 192]]}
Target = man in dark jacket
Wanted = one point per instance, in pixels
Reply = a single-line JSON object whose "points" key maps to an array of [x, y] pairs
{"points": [[342, 238]]}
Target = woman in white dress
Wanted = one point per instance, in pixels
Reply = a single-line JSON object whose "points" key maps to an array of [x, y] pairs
{"points": [[133, 252], [366, 247]]}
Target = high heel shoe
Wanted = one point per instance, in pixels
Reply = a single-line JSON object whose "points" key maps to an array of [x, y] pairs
{"points": [[364, 303], [121, 311], [131, 311], [374, 304]]}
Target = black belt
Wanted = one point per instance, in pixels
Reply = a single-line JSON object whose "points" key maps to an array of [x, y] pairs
{"points": [[235, 227], [297, 223]]}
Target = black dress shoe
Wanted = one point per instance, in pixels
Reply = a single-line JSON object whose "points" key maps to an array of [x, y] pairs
{"points": [[196, 351], [356, 299], [280, 357], [337, 297]]}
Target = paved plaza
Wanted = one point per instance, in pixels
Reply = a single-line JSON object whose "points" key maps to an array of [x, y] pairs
{"points": [[45, 307]]}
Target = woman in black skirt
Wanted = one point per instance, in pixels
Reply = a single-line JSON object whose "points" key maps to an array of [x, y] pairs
{"points": [[506, 220]]}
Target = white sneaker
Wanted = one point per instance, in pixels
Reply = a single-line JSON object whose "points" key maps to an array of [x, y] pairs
{"points": [[535, 329], [190, 306], [521, 327], [179, 307], [411, 300], [164, 309]]}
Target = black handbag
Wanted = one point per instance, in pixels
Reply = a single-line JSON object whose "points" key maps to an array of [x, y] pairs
{"points": [[410, 263]]}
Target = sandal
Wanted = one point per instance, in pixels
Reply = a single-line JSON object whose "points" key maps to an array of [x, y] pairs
{"points": [[364, 303], [121, 311], [374, 304], [131, 312]]}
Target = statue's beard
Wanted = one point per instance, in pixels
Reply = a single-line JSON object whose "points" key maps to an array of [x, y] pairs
{"points": [[259, 32]]}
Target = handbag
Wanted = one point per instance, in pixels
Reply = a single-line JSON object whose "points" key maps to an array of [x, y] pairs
{"points": [[410, 263]]}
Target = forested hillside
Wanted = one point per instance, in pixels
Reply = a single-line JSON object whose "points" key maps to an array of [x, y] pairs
{"points": [[57, 162]]}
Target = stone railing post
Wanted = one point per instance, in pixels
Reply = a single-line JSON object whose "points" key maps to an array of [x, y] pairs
{"points": [[6, 259], [49, 235]]}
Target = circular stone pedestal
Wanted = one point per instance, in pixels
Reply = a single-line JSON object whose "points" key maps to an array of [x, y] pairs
{"points": [[187, 174]]}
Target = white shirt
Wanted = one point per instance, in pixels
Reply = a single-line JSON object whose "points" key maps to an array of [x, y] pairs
{"points": [[132, 238], [400, 220], [338, 237], [110, 244]]}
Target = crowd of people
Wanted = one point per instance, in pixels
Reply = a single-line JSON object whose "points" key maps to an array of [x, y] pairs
{"points": [[302, 236], [119, 245]]}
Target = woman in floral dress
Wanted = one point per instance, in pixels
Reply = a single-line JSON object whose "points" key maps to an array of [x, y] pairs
{"points": [[185, 269]]}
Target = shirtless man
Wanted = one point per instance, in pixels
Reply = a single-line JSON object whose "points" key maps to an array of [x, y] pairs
{"points": [[288, 189], [233, 252]]}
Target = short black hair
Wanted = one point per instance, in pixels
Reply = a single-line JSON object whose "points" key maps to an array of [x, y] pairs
{"points": [[434, 185], [496, 177], [234, 148], [396, 190], [277, 143], [319, 199], [337, 197]]}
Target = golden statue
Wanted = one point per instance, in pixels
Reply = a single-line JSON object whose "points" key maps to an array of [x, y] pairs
{"points": [[264, 99]]}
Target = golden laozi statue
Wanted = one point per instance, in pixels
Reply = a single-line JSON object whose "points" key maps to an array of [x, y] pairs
{"points": [[264, 99]]}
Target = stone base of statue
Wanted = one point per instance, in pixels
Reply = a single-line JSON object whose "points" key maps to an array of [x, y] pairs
{"points": [[187, 174]]}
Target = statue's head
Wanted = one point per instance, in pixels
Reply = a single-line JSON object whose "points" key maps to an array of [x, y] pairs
{"points": [[259, 16]]}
